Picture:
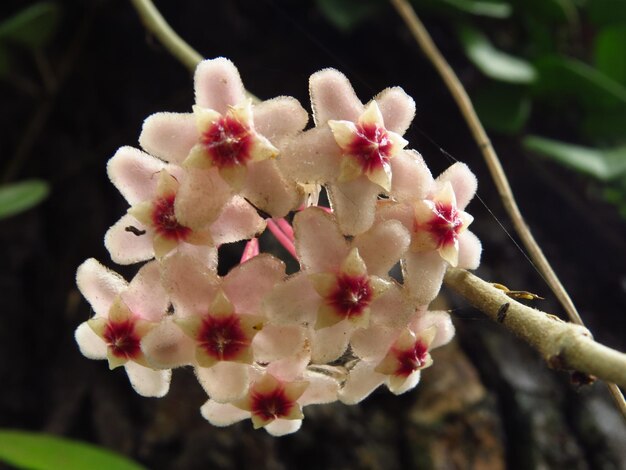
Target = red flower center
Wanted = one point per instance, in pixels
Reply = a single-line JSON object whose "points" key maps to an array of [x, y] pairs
{"points": [[411, 359], [272, 405], [222, 337], [122, 339], [445, 224], [228, 142], [352, 296], [371, 145], [164, 219]]}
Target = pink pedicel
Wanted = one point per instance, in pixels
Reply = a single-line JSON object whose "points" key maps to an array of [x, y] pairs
{"points": [[352, 295], [371, 146], [445, 225], [222, 338], [228, 142], [122, 339], [164, 219]]}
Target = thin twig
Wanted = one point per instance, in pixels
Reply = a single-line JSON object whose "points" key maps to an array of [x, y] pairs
{"points": [[405, 10], [156, 24], [563, 345]]}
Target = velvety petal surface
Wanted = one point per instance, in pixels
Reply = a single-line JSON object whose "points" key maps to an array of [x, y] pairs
{"points": [[332, 97], [135, 174], [169, 136], [99, 285], [148, 382], [397, 108], [129, 247], [218, 85]]}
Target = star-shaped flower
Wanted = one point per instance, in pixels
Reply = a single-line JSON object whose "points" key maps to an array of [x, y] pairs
{"points": [[152, 226], [342, 286], [367, 147], [354, 150], [228, 145], [125, 314], [433, 212], [221, 334], [228, 142], [394, 355], [439, 223]]}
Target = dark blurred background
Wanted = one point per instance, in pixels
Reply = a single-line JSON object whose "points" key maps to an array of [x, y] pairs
{"points": [[546, 75]]}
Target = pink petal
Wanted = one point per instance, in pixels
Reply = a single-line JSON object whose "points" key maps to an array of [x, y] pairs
{"points": [[218, 85], [207, 255], [282, 427], [373, 343], [125, 247], [397, 108], [167, 347], [393, 308], [311, 157], [190, 284], [99, 285], [89, 343], [441, 320], [382, 246], [269, 191], [332, 97], [135, 174], [361, 381], [320, 245], [249, 283], [275, 342], [423, 275], [278, 118], [293, 301], [410, 383], [354, 203], [328, 344], [463, 182], [222, 414], [145, 296], [403, 213], [200, 197], [290, 368], [169, 136], [322, 389], [411, 178], [237, 221], [470, 250], [148, 382], [225, 381]]}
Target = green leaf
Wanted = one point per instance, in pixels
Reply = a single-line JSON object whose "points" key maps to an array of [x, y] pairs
{"points": [[502, 108], [605, 12], [33, 26], [561, 76], [43, 452], [493, 9], [347, 14], [609, 53], [19, 197], [604, 165], [492, 62], [605, 125]]}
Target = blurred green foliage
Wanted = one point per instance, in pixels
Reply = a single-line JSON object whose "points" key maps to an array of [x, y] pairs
{"points": [[21, 196], [541, 61], [45, 452]]}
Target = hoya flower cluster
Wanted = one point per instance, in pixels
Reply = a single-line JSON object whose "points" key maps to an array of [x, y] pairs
{"points": [[263, 344]]}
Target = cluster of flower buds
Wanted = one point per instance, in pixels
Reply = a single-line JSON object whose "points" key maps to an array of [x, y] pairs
{"points": [[263, 344]]}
